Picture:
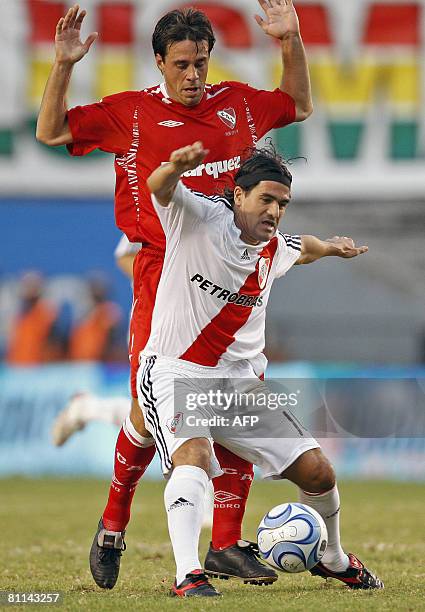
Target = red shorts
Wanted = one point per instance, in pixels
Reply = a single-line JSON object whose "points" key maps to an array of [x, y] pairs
{"points": [[147, 270]]}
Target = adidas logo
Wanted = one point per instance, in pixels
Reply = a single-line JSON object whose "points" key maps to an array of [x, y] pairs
{"points": [[181, 501], [245, 255], [169, 123]]}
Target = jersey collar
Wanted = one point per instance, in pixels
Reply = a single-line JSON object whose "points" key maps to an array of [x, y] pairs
{"points": [[166, 98], [164, 91]]}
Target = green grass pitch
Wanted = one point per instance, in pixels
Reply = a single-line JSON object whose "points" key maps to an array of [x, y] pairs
{"points": [[48, 526]]}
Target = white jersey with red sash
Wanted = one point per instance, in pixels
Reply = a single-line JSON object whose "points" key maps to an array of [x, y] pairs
{"points": [[211, 300]]}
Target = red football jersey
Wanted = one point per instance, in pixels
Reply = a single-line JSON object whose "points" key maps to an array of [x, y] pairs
{"points": [[142, 129]]}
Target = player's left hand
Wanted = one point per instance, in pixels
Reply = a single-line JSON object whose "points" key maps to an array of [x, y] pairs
{"points": [[188, 158], [345, 247], [281, 19]]}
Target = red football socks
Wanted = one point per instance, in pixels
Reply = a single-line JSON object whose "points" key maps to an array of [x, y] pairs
{"points": [[131, 461], [230, 495], [230, 490]]}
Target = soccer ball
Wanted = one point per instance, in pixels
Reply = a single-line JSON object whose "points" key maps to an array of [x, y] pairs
{"points": [[292, 537]]}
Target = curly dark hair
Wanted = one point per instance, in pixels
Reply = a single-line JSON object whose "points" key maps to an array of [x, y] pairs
{"points": [[182, 24], [257, 160]]}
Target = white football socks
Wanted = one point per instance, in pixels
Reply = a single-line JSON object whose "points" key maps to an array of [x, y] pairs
{"points": [[184, 498], [207, 519], [327, 505]]}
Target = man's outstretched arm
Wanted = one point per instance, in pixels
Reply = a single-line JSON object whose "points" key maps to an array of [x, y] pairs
{"points": [[52, 124], [313, 248], [162, 182], [281, 22]]}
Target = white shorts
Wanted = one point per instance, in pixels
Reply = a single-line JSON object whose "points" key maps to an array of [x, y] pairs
{"points": [[163, 386]]}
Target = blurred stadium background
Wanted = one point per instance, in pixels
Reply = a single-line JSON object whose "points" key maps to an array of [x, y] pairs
{"points": [[364, 177]]}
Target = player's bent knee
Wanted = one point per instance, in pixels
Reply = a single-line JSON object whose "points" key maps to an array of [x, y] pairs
{"points": [[322, 477], [312, 472], [136, 417], [194, 452]]}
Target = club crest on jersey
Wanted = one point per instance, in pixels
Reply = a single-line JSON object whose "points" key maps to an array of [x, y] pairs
{"points": [[263, 271], [228, 117], [175, 423]]}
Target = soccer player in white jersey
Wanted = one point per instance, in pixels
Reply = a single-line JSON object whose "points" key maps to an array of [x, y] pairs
{"points": [[220, 261]]}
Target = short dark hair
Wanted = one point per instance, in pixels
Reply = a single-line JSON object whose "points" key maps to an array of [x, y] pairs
{"points": [[266, 160], [182, 24]]}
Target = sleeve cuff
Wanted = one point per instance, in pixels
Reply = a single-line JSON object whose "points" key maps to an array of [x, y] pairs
{"points": [[75, 148], [176, 198]]}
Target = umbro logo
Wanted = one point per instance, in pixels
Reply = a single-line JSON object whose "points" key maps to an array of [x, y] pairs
{"points": [[225, 496], [245, 255], [180, 502], [170, 123]]}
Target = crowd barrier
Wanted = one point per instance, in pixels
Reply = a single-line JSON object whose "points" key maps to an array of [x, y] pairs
{"points": [[30, 398]]}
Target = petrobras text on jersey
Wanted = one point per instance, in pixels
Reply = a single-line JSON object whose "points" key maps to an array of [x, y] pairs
{"points": [[240, 299], [216, 168]]}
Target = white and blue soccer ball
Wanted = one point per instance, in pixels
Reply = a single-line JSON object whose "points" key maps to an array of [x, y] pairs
{"points": [[292, 537]]}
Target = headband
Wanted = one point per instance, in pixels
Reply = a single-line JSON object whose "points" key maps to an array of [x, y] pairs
{"points": [[249, 180]]}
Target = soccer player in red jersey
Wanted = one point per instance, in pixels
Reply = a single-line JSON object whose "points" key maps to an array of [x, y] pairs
{"points": [[142, 128]]}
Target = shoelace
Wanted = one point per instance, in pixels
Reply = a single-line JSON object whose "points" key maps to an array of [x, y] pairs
{"points": [[109, 554], [251, 550]]}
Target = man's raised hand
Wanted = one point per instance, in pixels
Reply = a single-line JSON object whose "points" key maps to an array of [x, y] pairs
{"points": [[345, 247], [69, 47], [281, 18], [189, 157]]}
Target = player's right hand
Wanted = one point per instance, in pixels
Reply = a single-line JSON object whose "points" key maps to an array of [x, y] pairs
{"points": [[281, 19], [69, 47], [188, 158]]}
